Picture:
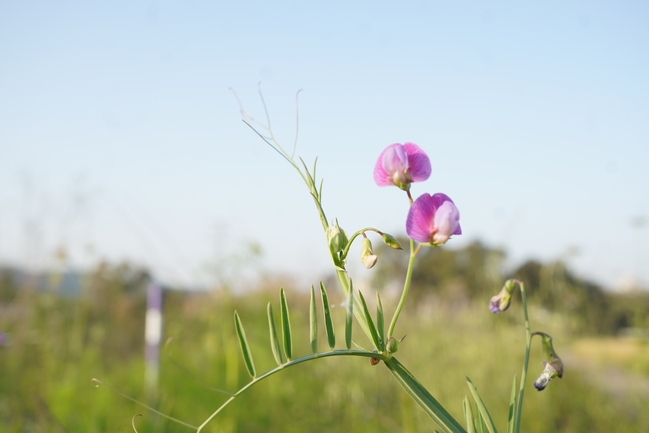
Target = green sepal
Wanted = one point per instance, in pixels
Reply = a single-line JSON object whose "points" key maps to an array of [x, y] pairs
{"points": [[329, 325], [313, 322], [390, 241], [245, 348], [274, 340], [286, 326], [482, 409]]}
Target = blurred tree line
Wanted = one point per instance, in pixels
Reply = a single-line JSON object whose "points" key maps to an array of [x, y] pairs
{"points": [[476, 272]]}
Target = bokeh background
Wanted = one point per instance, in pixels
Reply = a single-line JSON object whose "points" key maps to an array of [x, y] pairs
{"points": [[124, 163]]}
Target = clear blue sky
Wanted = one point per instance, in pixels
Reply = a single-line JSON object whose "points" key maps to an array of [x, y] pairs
{"points": [[117, 128]]}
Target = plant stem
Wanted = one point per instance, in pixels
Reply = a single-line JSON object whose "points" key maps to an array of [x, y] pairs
{"points": [[406, 284], [528, 344], [361, 353], [406, 287]]}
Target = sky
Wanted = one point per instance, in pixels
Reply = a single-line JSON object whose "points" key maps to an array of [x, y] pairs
{"points": [[120, 138]]}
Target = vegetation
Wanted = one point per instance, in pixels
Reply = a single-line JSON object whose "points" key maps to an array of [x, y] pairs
{"points": [[462, 276], [55, 344]]}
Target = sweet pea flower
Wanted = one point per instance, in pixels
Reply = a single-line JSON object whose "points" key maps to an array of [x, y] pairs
{"points": [[432, 219], [400, 165]]}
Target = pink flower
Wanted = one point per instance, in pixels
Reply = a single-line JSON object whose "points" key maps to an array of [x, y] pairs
{"points": [[400, 165], [432, 219]]}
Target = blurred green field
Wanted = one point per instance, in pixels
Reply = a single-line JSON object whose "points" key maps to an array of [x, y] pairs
{"points": [[58, 344]]}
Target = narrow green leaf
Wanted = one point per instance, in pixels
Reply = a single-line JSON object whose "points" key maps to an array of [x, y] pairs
{"points": [[313, 319], [329, 325], [423, 398], [479, 422], [286, 326], [468, 415], [320, 189], [512, 408], [380, 322], [274, 341], [349, 319], [486, 416], [306, 170], [370, 322], [245, 348]]}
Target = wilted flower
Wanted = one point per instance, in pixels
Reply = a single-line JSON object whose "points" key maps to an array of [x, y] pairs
{"points": [[549, 373], [400, 165], [553, 367], [432, 219]]}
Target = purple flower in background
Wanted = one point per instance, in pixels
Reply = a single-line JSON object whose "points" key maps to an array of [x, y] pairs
{"points": [[432, 219], [400, 165]]}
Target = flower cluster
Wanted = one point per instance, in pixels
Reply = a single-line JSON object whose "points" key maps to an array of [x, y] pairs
{"points": [[432, 219]]}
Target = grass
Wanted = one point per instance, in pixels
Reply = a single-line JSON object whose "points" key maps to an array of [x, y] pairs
{"points": [[58, 345]]}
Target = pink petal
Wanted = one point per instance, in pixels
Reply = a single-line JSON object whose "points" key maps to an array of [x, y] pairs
{"points": [[447, 216], [420, 218], [382, 177], [418, 162]]}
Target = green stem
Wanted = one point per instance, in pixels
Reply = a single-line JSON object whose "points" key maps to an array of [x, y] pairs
{"points": [[528, 345], [354, 236], [406, 284], [406, 287], [282, 367]]}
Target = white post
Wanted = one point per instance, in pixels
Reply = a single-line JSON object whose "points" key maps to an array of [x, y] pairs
{"points": [[152, 337]]}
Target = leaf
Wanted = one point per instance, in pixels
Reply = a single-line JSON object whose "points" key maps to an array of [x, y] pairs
{"points": [[423, 398], [349, 319], [380, 322], [480, 423], [511, 419], [313, 319], [245, 348], [320, 189], [286, 326], [274, 341], [370, 322], [468, 415], [329, 326], [481, 407]]}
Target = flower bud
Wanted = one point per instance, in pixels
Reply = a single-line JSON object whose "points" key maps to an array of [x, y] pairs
{"points": [[391, 241], [393, 345], [502, 300], [367, 255], [336, 238]]}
